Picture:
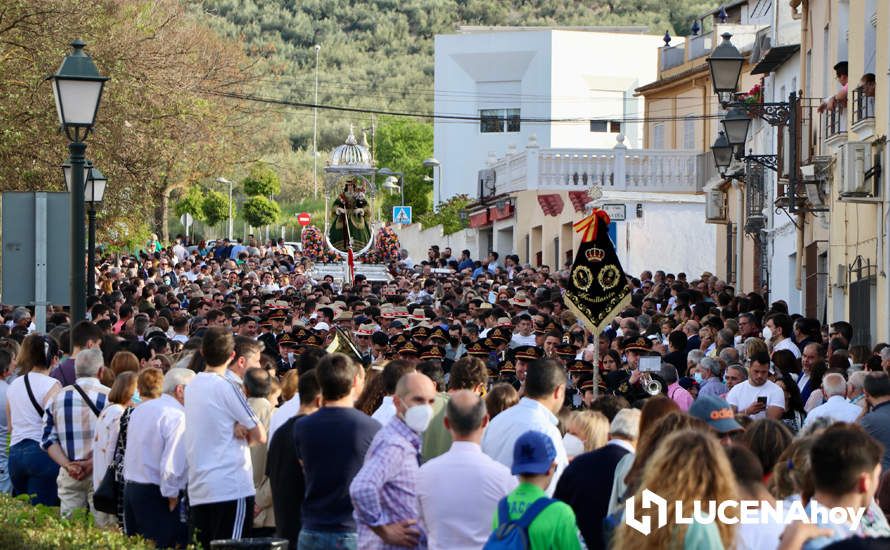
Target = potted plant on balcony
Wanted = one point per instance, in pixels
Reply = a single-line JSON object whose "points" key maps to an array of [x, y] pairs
{"points": [[752, 100]]}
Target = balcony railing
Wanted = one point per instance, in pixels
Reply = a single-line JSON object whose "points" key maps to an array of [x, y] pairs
{"points": [[616, 169], [672, 56], [863, 105], [835, 120], [700, 46]]}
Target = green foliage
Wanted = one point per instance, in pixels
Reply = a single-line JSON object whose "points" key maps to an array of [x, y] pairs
{"points": [[214, 207], [402, 146], [41, 528], [448, 215], [191, 203], [260, 211], [261, 182]]}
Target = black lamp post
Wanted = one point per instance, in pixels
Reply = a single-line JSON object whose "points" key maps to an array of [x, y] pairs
{"points": [[722, 151], [725, 65], [94, 192], [77, 87], [736, 124]]}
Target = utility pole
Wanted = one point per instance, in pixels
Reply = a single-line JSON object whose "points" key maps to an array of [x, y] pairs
{"points": [[315, 130]]}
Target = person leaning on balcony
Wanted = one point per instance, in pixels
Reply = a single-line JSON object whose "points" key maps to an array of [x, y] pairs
{"points": [[840, 71]]}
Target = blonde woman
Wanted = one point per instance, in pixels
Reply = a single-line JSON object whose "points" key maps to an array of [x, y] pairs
{"points": [[713, 481], [585, 431]]}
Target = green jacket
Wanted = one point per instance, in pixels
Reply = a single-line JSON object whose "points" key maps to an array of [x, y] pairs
{"points": [[553, 528], [436, 439]]}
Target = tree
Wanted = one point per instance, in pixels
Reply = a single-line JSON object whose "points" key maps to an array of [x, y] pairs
{"points": [[259, 211], [262, 181], [162, 124], [402, 146], [448, 215], [214, 207], [191, 203]]}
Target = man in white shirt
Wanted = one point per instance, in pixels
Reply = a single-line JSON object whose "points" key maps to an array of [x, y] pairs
{"points": [[757, 397], [779, 328], [545, 387], [391, 374], [525, 336], [836, 407], [219, 427], [455, 517], [155, 467]]}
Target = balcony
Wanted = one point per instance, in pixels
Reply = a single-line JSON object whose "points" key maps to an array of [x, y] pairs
{"points": [[696, 48], [672, 56], [615, 169], [863, 108], [834, 121]]}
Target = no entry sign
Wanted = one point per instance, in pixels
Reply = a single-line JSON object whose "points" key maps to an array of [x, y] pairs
{"points": [[303, 218]]}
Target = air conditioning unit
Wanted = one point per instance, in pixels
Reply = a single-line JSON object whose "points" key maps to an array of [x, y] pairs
{"points": [[715, 206], [857, 159]]}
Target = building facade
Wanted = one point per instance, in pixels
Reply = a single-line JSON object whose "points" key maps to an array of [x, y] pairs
{"points": [[560, 128]]}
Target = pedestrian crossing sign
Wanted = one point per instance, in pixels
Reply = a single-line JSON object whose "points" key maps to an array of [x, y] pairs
{"points": [[401, 215]]}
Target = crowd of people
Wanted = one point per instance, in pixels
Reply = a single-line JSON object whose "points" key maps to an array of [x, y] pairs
{"points": [[227, 393]]}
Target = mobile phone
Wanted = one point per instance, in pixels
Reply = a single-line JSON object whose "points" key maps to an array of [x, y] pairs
{"points": [[762, 399]]}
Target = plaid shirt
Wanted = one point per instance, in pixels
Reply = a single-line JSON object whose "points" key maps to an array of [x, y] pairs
{"points": [[385, 490], [69, 421]]}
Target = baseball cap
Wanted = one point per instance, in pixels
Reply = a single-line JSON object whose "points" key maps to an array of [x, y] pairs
{"points": [[716, 412], [322, 326], [533, 453]]}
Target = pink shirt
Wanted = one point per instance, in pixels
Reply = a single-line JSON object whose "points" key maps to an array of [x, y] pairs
{"points": [[680, 396]]}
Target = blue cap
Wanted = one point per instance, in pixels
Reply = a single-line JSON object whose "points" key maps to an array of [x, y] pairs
{"points": [[716, 412], [533, 453]]}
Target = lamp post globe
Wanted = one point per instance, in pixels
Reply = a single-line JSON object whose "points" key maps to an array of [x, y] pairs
{"points": [[725, 64], [722, 151], [735, 125], [77, 89]]}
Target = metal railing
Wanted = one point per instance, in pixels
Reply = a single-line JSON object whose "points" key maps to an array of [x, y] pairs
{"points": [[863, 105], [835, 120]]}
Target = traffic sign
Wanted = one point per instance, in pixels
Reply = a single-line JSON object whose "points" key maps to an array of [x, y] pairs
{"points": [[303, 218], [617, 212], [186, 219], [401, 214]]}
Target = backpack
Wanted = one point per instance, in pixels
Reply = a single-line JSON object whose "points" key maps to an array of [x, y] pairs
{"points": [[513, 535]]}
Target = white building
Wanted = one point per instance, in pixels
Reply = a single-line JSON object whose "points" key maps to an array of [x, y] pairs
{"points": [[553, 115]]}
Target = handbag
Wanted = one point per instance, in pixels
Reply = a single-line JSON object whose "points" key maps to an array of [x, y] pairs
{"points": [[107, 495]]}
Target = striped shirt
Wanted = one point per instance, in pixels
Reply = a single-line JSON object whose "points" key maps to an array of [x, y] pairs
{"points": [[385, 489], [70, 422]]}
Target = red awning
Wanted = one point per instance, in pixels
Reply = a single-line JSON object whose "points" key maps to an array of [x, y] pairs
{"points": [[551, 204], [579, 199]]}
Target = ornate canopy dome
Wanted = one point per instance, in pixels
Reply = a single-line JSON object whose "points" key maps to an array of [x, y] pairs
{"points": [[350, 157]]}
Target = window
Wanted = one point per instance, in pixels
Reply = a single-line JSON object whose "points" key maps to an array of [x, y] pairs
{"points": [[499, 120], [604, 126], [689, 133], [658, 136]]}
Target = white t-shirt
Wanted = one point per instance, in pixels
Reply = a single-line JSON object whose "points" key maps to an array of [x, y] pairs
{"points": [[290, 408], [26, 423], [743, 395], [219, 467]]}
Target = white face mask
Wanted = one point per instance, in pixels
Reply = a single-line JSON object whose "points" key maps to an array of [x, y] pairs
{"points": [[619, 333], [418, 417], [767, 334], [573, 444]]}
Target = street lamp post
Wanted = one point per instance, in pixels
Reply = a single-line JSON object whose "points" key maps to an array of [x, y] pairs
{"points": [[230, 227], [437, 183], [93, 195], [391, 179], [314, 130], [77, 87]]}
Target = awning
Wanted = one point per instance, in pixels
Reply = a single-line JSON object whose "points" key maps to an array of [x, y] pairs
{"points": [[774, 58], [551, 204]]}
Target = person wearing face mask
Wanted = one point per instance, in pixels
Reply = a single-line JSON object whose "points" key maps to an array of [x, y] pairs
{"points": [[545, 387], [384, 492]]}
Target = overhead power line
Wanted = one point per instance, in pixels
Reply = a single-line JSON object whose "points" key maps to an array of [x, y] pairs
{"points": [[447, 116]]}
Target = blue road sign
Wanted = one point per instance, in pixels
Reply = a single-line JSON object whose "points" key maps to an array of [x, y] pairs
{"points": [[401, 215]]}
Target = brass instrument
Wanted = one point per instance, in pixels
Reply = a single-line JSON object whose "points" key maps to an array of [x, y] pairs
{"points": [[342, 343], [650, 385]]}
